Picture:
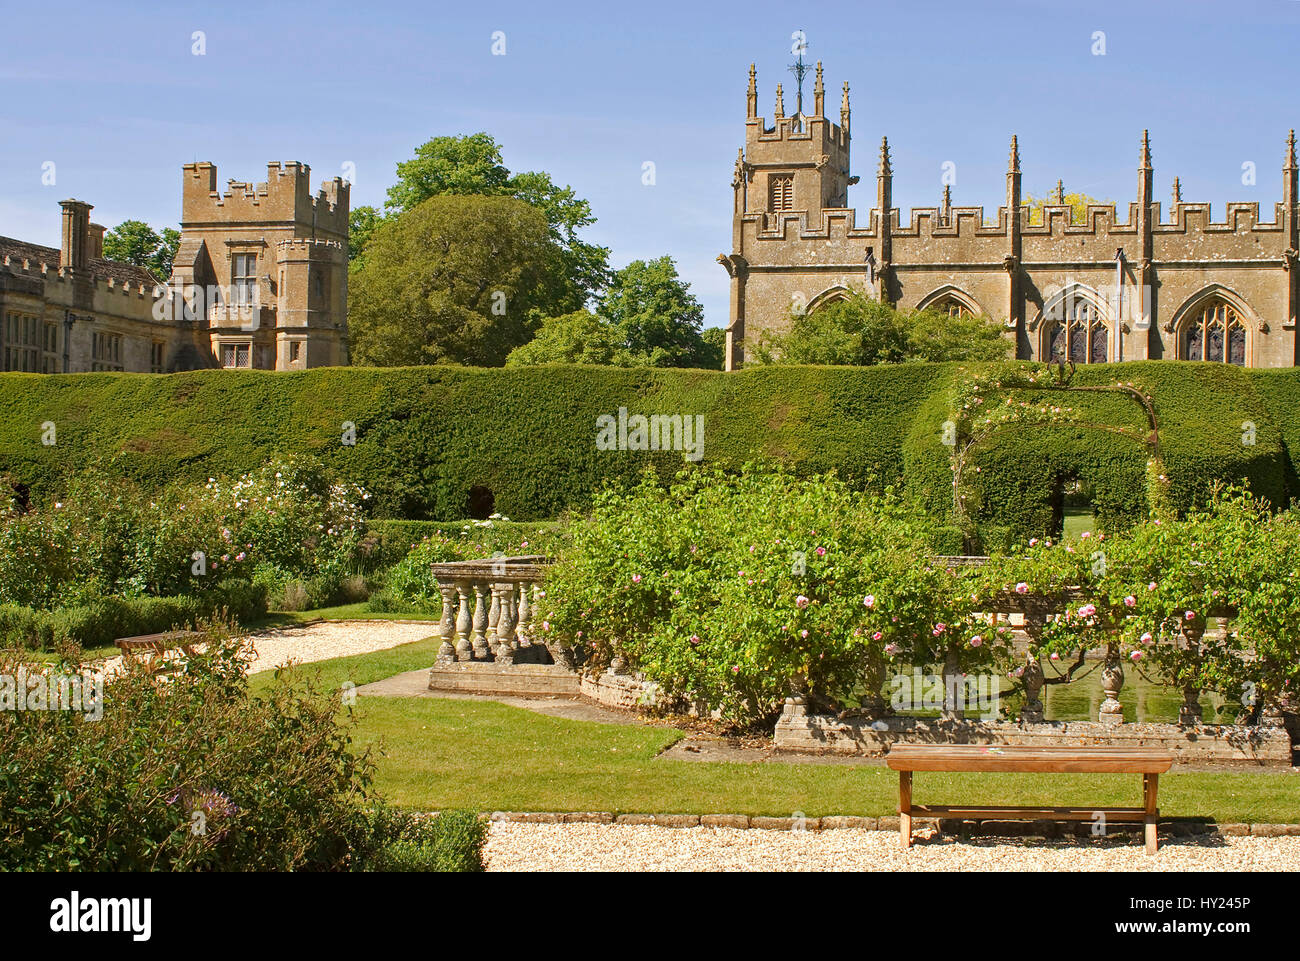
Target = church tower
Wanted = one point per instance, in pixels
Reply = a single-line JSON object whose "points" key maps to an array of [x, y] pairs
{"points": [[787, 175]]}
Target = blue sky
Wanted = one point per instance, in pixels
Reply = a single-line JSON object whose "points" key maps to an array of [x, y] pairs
{"points": [[589, 91]]}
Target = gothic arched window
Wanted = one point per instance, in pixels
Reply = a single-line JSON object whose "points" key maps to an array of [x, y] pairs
{"points": [[952, 307], [1079, 335], [1216, 333]]}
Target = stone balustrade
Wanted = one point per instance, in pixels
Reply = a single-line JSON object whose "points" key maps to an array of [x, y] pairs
{"points": [[487, 612], [488, 608]]}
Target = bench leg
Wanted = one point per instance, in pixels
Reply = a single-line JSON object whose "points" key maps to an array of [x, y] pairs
{"points": [[905, 807], [1150, 783]]}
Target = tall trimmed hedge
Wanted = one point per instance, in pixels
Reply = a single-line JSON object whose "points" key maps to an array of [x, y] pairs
{"points": [[426, 436]]}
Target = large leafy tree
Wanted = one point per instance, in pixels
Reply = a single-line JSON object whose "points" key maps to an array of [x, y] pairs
{"points": [[472, 165], [1077, 202], [454, 280], [656, 317], [859, 331], [647, 318], [135, 242]]}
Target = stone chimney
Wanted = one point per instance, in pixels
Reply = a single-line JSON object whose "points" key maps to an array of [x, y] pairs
{"points": [[96, 241], [75, 253]]}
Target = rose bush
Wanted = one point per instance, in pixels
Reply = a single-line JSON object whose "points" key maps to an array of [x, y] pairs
{"points": [[740, 589]]}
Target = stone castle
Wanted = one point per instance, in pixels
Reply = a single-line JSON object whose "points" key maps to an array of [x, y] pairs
{"points": [[1147, 286], [259, 281]]}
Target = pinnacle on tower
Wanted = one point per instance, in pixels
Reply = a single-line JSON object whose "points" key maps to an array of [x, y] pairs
{"points": [[1145, 162], [819, 92], [1060, 192], [947, 204], [780, 102], [1290, 151], [1015, 155], [1178, 191], [751, 98], [885, 168]]}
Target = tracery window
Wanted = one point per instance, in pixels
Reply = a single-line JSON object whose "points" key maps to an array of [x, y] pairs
{"points": [[1079, 335], [952, 307], [1216, 333]]}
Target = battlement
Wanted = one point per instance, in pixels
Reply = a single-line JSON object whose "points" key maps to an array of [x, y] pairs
{"points": [[284, 196], [53, 273], [309, 248]]}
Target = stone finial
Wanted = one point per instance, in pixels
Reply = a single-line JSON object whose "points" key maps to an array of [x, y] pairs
{"points": [[780, 102], [819, 93], [751, 97], [1290, 151], [1145, 160], [947, 203], [844, 108], [1178, 191], [886, 169], [1060, 192], [1014, 163]]}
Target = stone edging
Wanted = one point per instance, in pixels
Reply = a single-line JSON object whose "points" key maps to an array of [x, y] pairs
{"points": [[1175, 828]]}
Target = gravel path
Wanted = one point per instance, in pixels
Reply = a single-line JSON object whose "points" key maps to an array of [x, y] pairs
{"points": [[624, 847], [321, 641]]}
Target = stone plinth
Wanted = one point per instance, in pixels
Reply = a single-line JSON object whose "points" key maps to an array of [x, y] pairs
{"points": [[474, 677], [800, 731]]}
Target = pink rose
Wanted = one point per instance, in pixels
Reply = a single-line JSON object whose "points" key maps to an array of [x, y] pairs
{"points": [[869, 600], [1130, 601], [801, 602], [877, 636], [1022, 588], [1136, 655], [636, 578], [976, 641]]}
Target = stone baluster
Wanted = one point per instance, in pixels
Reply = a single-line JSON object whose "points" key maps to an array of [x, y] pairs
{"points": [[494, 618], [524, 626], [478, 639], [506, 623], [1112, 682], [464, 644], [447, 626], [1032, 712], [1189, 712]]}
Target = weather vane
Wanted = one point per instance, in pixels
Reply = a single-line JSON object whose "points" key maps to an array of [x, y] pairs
{"points": [[799, 69]]}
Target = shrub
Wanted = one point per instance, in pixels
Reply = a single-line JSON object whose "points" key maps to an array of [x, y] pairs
{"points": [[451, 841], [738, 590], [102, 621], [197, 773]]}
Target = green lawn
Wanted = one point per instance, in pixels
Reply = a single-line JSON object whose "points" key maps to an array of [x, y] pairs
{"points": [[442, 753], [340, 612]]}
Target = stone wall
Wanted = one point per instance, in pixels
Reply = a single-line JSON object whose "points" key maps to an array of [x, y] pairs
{"points": [[799, 731]]}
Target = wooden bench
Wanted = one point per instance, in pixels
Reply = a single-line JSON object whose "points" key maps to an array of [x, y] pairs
{"points": [[1149, 762], [150, 649]]}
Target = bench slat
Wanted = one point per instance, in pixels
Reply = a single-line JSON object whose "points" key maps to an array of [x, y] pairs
{"points": [[985, 813], [982, 757]]}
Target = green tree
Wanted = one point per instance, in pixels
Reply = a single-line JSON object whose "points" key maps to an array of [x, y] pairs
{"points": [[362, 223], [455, 280], [656, 317], [1078, 204], [859, 331], [576, 338], [647, 318], [135, 242], [472, 165]]}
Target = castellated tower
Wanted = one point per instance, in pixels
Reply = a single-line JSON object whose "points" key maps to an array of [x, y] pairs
{"points": [[797, 169], [1107, 284], [262, 268]]}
